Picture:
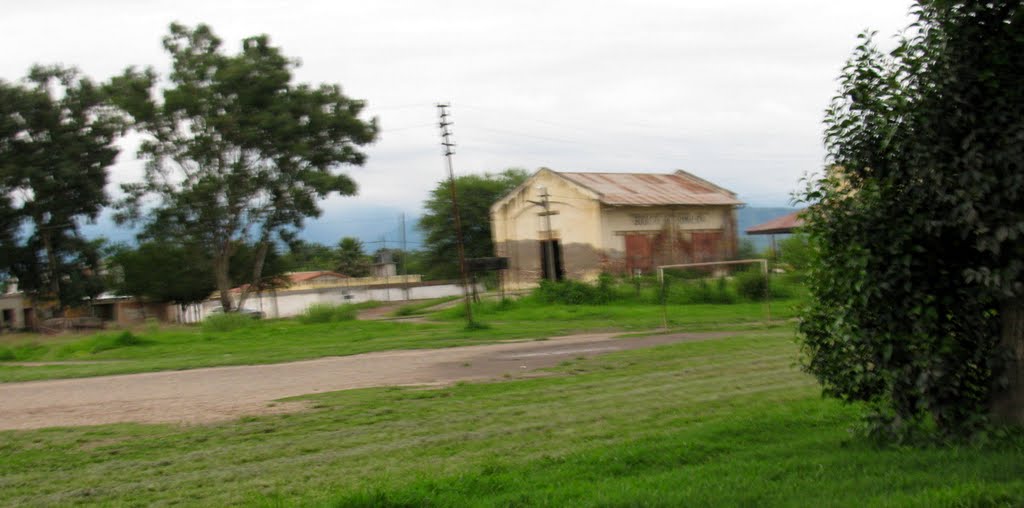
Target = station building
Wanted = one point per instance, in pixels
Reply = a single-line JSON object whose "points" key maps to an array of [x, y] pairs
{"points": [[583, 224]]}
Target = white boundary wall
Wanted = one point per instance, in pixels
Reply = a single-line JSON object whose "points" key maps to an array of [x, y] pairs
{"points": [[289, 303]]}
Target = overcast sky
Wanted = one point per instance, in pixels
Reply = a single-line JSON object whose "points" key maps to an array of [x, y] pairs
{"points": [[733, 91]]}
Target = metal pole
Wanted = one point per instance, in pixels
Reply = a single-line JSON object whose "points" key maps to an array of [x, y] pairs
{"points": [[405, 268], [442, 113], [384, 267], [767, 289]]}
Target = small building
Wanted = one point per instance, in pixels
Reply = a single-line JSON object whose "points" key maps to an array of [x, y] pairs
{"points": [[15, 311], [384, 264], [125, 310], [611, 222], [783, 225]]}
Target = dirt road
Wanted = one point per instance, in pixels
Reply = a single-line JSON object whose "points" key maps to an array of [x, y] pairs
{"points": [[223, 393]]}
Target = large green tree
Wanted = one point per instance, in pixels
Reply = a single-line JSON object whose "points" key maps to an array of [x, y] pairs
{"points": [[163, 272], [237, 152], [918, 225], [182, 273], [351, 259], [476, 194], [57, 134], [303, 255]]}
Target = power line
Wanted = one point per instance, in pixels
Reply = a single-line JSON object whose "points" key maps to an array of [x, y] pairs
{"points": [[410, 127], [399, 106]]}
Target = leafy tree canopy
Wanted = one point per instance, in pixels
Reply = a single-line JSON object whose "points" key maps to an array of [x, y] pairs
{"points": [[918, 225], [307, 256], [351, 259], [163, 272], [236, 150], [57, 134], [476, 194]]}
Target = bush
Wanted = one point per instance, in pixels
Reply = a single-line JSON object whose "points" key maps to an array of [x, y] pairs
{"points": [[407, 310], [571, 292], [752, 285], [227, 322], [796, 251], [326, 313], [22, 352], [124, 339], [687, 291]]}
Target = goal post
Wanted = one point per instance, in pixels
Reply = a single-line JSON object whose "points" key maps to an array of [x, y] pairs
{"points": [[709, 264], [762, 262]]}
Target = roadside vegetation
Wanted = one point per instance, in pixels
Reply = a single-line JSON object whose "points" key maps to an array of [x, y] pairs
{"points": [[423, 307], [723, 422], [231, 339]]}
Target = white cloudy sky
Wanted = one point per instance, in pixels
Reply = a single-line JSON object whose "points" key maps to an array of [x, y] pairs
{"points": [[730, 90]]}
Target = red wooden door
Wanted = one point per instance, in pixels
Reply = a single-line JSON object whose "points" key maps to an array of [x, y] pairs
{"points": [[638, 253], [707, 245]]}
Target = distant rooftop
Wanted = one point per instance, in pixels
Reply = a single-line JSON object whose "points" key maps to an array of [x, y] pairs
{"points": [[645, 189], [779, 225], [297, 277]]}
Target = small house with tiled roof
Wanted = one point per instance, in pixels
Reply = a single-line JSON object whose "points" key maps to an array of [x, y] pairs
{"points": [[583, 224]]}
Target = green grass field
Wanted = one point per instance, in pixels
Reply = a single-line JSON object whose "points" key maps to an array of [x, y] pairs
{"points": [[726, 422], [273, 341]]}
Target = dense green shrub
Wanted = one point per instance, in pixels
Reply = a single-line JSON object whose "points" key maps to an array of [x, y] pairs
{"points": [[752, 285], [571, 292], [918, 225], [326, 313], [796, 251], [22, 352], [108, 342], [227, 322]]}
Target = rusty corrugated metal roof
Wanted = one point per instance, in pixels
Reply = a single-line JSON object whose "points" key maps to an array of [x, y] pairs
{"points": [[643, 189], [779, 225]]}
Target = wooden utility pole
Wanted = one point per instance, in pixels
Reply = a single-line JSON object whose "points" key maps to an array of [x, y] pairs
{"points": [[442, 113], [545, 203]]}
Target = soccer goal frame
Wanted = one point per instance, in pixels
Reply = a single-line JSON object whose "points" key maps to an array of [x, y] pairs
{"points": [[762, 262]]}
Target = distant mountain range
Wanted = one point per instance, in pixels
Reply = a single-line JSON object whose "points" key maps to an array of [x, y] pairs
{"points": [[375, 226], [381, 226]]}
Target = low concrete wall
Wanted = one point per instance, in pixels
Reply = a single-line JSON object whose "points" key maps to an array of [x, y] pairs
{"points": [[293, 302]]}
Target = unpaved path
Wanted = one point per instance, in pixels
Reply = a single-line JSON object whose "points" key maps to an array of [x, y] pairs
{"points": [[223, 393]]}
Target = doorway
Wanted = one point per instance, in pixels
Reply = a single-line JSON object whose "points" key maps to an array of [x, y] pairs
{"points": [[707, 245], [556, 249], [638, 253]]}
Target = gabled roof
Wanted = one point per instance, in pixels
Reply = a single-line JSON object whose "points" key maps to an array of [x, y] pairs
{"points": [[637, 189], [779, 225], [645, 189]]}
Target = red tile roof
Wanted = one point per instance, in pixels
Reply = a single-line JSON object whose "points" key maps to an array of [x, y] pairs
{"points": [[779, 225], [644, 189]]}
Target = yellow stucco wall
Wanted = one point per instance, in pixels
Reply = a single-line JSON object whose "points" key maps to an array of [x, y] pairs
{"points": [[517, 228], [615, 221]]}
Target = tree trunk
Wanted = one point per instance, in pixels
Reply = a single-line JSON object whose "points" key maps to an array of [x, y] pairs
{"points": [[220, 268], [51, 267], [257, 271], [1008, 403]]}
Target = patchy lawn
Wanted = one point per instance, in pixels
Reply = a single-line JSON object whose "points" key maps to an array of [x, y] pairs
{"points": [[717, 423]]}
